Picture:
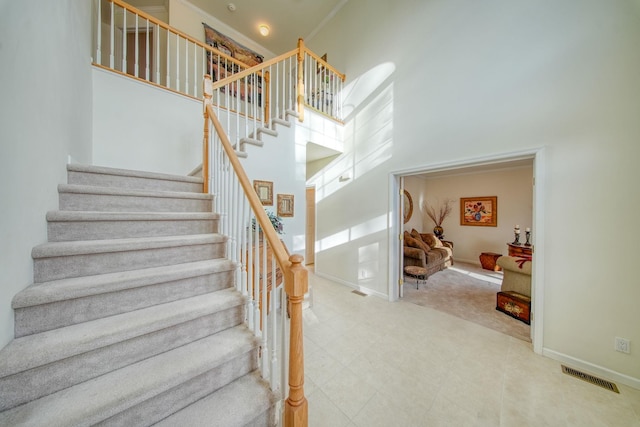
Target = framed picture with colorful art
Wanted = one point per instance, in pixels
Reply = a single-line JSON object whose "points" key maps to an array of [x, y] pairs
{"points": [[481, 211]]}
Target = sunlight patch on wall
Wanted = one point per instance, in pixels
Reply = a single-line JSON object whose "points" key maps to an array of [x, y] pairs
{"points": [[363, 86], [358, 231], [369, 227], [334, 240], [299, 242], [368, 263], [368, 144]]}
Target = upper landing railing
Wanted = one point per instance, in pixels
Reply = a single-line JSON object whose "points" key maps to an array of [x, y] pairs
{"points": [[132, 42]]}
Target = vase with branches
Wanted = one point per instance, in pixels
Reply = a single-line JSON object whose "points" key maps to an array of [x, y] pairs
{"points": [[438, 216]]}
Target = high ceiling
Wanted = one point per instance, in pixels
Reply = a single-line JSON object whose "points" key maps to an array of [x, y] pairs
{"points": [[288, 20]]}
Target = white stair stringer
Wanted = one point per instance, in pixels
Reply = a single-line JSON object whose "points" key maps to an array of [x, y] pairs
{"points": [[255, 138], [133, 315]]}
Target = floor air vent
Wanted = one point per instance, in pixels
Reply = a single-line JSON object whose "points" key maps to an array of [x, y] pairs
{"points": [[362, 294], [591, 379]]}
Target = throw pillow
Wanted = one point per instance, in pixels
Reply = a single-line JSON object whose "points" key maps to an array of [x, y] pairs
{"points": [[431, 240], [416, 235], [418, 244]]}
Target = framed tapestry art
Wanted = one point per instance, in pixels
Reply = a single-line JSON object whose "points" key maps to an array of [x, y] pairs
{"points": [[481, 211], [219, 67]]}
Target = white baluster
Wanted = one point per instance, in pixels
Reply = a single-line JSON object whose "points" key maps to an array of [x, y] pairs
{"points": [[136, 59], [98, 59], [157, 55], [273, 329], [112, 38], [186, 66], [195, 69], [146, 48], [264, 309], [124, 40], [168, 79], [177, 61]]}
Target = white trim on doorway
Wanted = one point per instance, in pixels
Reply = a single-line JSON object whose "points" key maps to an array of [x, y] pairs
{"points": [[537, 154]]}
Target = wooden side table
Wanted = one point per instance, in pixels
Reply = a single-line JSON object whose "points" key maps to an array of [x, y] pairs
{"points": [[488, 261], [521, 250]]}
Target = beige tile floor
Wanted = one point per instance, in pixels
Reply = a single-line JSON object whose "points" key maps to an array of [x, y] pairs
{"points": [[372, 363]]}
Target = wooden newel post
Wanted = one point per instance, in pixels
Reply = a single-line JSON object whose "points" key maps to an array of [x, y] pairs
{"points": [[207, 92], [296, 285], [300, 84]]}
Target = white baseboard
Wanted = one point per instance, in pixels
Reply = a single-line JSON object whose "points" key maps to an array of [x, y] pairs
{"points": [[353, 286], [467, 261], [592, 369]]}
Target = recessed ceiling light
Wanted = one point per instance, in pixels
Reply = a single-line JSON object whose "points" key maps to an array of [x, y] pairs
{"points": [[264, 30]]}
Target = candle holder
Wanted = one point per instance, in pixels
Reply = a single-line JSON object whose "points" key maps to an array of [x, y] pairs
{"points": [[528, 236], [516, 241]]}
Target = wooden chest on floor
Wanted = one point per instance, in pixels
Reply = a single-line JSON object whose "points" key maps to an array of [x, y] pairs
{"points": [[515, 305], [488, 261]]}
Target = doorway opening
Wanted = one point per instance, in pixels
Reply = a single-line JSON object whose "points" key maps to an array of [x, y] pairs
{"points": [[469, 167]]}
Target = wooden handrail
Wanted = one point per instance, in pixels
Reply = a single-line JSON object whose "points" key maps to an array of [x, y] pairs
{"points": [[295, 275], [261, 216], [255, 69], [324, 63], [161, 24]]}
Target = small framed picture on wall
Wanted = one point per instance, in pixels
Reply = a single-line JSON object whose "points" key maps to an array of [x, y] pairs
{"points": [[285, 205]]}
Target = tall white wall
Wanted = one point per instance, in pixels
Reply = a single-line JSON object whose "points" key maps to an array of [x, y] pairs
{"points": [[143, 127], [45, 117], [443, 81]]}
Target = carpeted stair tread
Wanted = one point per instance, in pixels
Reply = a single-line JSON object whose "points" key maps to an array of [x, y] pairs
{"points": [[102, 397], [101, 176], [96, 225], [79, 287], [57, 344], [127, 216], [114, 191], [226, 407], [82, 247], [77, 167]]}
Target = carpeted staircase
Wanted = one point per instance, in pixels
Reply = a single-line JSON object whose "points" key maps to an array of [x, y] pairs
{"points": [[133, 318]]}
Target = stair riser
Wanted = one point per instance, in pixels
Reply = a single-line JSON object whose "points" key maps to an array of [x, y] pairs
{"points": [[128, 203], [64, 231], [73, 370], [45, 317], [162, 405], [131, 182], [46, 269]]}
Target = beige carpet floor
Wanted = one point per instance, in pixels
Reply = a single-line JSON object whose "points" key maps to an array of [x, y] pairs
{"points": [[469, 292]]}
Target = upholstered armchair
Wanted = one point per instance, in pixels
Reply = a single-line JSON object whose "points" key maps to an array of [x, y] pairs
{"points": [[517, 275]]}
